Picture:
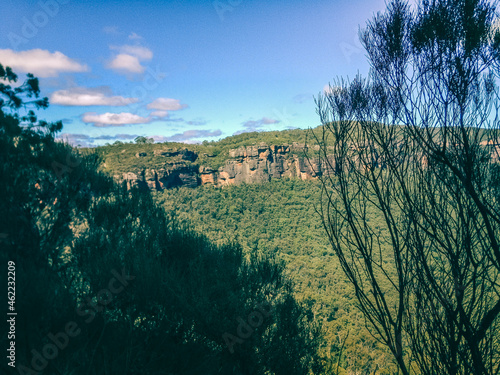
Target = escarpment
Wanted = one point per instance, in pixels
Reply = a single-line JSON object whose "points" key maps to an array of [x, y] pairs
{"points": [[163, 166], [258, 163]]}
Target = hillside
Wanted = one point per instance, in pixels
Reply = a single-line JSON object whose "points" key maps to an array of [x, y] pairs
{"points": [[249, 158], [245, 158], [279, 218]]}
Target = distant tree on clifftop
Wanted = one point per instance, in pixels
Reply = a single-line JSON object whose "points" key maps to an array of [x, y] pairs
{"points": [[144, 140]]}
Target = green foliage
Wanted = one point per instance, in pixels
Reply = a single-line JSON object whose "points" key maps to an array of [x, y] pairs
{"points": [[43, 184], [188, 293], [434, 71], [123, 157], [278, 219]]}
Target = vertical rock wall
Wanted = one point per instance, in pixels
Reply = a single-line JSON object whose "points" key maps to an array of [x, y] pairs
{"points": [[253, 164]]}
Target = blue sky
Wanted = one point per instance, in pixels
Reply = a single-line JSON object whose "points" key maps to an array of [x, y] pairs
{"points": [[182, 70]]}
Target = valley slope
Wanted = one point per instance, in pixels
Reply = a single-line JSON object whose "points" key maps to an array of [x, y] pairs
{"points": [[246, 158]]}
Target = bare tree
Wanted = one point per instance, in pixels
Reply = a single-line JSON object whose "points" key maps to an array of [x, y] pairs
{"points": [[411, 189]]}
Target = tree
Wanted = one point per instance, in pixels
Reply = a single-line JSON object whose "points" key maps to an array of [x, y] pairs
{"points": [[193, 307], [25, 95], [144, 140], [417, 144], [141, 140]]}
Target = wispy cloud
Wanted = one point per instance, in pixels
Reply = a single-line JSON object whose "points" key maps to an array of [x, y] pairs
{"points": [[111, 30], [117, 119], [256, 125], [41, 63], [189, 135], [86, 140], [175, 119], [196, 122], [134, 36], [167, 104], [83, 96]]}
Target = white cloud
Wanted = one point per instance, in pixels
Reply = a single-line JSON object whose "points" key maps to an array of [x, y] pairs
{"points": [[142, 53], [114, 119], [82, 96], [129, 59], [166, 104], [126, 63], [41, 63]]}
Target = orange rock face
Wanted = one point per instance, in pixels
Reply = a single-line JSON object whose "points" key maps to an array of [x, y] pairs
{"points": [[208, 179], [224, 179]]}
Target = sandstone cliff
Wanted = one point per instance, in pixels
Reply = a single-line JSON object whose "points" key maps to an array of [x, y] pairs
{"points": [[165, 168], [253, 164]]}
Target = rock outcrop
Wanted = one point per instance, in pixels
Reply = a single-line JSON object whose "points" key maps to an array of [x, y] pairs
{"points": [[173, 175], [261, 163], [253, 164]]}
